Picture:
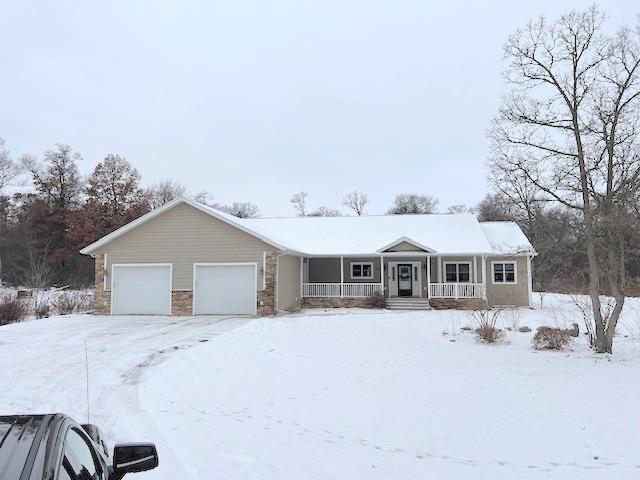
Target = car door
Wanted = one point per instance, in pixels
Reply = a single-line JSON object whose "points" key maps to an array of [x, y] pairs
{"points": [[79, 460]]}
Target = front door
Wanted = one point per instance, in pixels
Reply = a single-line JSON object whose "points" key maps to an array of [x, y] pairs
{"points": [[405, 282]]}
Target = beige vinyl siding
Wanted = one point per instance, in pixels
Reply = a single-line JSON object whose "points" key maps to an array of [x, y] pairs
{"points": [[508, 293], [183, 236], [288, 282], [405, 247]]}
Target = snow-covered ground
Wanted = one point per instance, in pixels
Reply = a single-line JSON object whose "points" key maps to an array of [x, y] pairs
{"points": [[340, 394]]}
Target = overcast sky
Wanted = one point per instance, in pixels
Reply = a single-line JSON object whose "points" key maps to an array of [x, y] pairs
{"points": [[255, 100]]}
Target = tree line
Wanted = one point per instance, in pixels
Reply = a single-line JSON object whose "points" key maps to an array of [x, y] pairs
{"points": [[48, 211]]}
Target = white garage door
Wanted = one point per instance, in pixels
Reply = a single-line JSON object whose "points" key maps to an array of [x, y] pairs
{"points": [[225, 289], [141, 290]]}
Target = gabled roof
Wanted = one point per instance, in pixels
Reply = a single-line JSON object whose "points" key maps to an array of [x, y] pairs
{"points": [[405, 240], [506, 238], [230, 219], [453, 234]]}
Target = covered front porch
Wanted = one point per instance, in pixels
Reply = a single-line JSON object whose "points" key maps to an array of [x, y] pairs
{"points": [[395, 274]]}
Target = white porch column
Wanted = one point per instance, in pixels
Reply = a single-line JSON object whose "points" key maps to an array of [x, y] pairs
{"points": [[301, 277], [484, 277], [428, 276], [475, 269], [529, 281], [382, 274], [341, 277], [439, 260]]}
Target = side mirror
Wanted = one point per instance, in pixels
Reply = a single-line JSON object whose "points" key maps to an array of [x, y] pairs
{"points": [[134, 457]]}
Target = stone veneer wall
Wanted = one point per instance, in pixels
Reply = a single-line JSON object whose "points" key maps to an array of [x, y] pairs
{"points": [[267, 297], [182, 300], [101, 298], [458, 304], [334, 302]]}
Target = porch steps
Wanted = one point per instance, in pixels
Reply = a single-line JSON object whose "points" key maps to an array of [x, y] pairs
{"points": [[400, 303]]}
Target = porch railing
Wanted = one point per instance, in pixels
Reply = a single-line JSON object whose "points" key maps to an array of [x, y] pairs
{"points": [[456, 290], [349, 290]]}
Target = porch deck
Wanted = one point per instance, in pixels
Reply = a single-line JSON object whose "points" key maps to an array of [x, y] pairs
{"points": [[396, 274], [362, 290]]}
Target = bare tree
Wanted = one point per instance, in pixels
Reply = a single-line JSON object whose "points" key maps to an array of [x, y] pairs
{"points": [[37, 273], [299, 202], [164, 191], [460, 208], [240, 209], [567, 129], [405, 203], [356, 201], [9, 168], [324, 212], [204, 198], [9, 171]]}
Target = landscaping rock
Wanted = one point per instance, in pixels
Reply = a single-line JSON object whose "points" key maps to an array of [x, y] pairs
{"points": [[524, 329]]}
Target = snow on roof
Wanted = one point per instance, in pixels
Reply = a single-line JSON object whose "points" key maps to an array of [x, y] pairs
{"points": [[453, 234], [506, 237]]}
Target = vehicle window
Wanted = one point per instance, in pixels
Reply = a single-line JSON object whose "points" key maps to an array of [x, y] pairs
{"points": [[65, 472], [79, 462]]}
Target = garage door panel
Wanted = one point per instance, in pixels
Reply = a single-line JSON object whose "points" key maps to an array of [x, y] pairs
{"points": [[225, 289], [141, 290]]}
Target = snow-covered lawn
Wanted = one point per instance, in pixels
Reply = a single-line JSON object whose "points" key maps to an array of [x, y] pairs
{"points": [[339, 394]]}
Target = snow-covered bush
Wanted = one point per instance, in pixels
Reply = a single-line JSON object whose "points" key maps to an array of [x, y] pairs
{"points": [[551, 338], [376, 300], [12, 309], [486, 325], [70, 302], [41, 305]]}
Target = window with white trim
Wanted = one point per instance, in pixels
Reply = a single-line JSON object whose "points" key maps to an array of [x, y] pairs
{"points": [[504, 272], [457, 272], [362, 270]]}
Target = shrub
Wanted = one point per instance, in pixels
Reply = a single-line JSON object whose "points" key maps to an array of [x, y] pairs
{"points": [[486, 330], [70, 302], [41, 306], [489, 334], [376, 300], [12, 310], [550, 338]]}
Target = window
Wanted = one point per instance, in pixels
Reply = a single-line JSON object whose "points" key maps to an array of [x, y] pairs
{"points": [[78, 462], [504, 272], [457, 272], [362, 270]]}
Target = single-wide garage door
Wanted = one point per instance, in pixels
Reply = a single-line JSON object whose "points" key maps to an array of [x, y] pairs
{"points": [[225, 289], [141, 290]]}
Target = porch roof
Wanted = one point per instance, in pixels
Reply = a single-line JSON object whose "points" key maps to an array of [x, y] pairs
{"points": [[440, 233]]}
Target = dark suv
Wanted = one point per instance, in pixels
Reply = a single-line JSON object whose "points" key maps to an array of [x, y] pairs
{"points": [[55, 447]]}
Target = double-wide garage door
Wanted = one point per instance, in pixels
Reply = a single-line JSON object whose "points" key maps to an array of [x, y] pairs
{"points": [[219, 289]]}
